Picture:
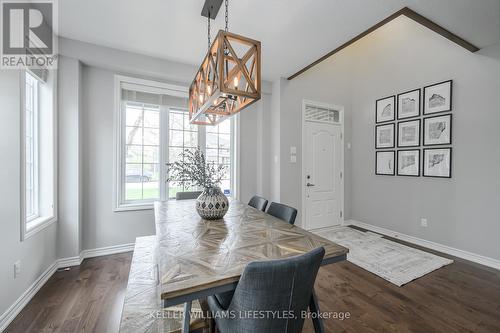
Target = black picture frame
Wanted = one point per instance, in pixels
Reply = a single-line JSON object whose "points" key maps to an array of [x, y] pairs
{"points": [[393, 136], [451, 163], [437, 144], [376, 162], [419, 103], [419, 132], [433, 85], [419, 172], [394, 111]]}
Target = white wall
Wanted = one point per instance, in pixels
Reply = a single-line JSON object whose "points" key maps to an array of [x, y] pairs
{"points": [[400, 56], [38, 252]]}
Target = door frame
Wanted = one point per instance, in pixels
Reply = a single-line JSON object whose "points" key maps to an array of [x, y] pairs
{"points": [[339, 108]]}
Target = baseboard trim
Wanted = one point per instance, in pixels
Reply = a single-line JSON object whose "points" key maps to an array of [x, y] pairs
{"points": [[477, 258], [10, 314]]}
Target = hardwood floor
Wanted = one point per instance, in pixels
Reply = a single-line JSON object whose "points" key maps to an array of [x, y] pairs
{"points": [[462, 297]]}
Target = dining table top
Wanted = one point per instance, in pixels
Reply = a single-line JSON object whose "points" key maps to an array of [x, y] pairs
{"points": [[196, 254]]}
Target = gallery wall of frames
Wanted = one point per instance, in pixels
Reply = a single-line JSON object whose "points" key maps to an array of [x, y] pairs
{"points": [[413, 132]]}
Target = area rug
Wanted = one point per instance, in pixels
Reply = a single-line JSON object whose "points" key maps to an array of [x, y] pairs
{"points": [[394, 262]]}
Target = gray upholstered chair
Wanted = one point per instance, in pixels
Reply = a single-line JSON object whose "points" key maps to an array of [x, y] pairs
{"points": [[283, 212], [284, 285], [258, 202], [187, 195]]}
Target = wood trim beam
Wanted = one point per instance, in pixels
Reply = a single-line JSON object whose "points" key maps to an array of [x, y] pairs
{"points": [[411, 15]]}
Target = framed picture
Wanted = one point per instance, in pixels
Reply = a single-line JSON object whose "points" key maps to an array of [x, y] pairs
{"points": [[437, 97], [409, 104], [409, 162], [409, 133], [437, 162], [385, 109], [384, 136], [384, 163], [437, 130]]}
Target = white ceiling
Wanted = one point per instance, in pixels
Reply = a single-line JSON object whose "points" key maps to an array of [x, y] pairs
{"points": [[293, 33]]}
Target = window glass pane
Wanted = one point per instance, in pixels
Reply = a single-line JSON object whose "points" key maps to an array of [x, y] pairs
{"points": [[133, 191], [176, 138], [134, 154], [225, 127], [151, 136], [175, 120], [224, 141], [151, 154], [187, 125], [190, 139], [133, 116], [174, 154], [224, 156], [212, 140], [151, 190], [133, 135], [151, 172], [212, 155], [152, 118]]}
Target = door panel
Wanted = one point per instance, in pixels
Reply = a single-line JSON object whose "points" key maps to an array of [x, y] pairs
{"points": [[323, 191]]}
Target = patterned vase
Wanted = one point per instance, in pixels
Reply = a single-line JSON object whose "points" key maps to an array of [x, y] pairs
{"points": [[212, 204]]}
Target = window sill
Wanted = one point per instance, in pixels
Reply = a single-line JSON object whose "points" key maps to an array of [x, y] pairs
{"points": [[134, 207], [36, 225]]}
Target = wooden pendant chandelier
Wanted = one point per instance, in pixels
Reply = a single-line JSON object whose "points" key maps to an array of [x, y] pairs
{"points": [[227, 81]]}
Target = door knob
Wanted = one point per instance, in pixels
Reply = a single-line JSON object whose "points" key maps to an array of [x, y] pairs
{"points": [[309, 184]]}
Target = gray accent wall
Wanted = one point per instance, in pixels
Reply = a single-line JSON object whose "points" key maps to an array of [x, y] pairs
{"points": [[462, 212]]}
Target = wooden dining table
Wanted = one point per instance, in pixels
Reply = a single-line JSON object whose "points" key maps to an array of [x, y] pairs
{"points": [[199, 258]]}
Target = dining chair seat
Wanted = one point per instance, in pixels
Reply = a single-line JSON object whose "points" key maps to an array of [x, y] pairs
{"points": [[283, 212], [259, 203], [281, 287], [187, 195]]}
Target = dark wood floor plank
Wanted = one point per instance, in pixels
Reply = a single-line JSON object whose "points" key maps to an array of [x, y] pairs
{"points": [[462, 297]]}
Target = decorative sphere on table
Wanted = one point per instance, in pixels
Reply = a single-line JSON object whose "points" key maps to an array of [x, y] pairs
{"points": [[212, 204]]}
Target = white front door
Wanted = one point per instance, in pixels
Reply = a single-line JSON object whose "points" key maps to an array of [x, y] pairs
{"points": [[322, 172]]}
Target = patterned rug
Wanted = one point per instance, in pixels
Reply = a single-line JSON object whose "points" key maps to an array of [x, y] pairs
{"points": [[394, 262]]}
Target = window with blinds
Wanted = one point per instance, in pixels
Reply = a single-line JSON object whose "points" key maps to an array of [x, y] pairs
{"points": [[154, 129]]}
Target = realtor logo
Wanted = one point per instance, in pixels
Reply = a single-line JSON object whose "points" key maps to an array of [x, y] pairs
{"points": [[28, 34]]}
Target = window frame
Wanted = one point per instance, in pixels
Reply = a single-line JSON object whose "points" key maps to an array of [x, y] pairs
{"points": [[35, 224], [156, 87]]}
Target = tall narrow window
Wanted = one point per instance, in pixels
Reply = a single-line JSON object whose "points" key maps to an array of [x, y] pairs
{"points": [[182, 135], [218, 150], [142, 146], [31, 147], [39, 182]]}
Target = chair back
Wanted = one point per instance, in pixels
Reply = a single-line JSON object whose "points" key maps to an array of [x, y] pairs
{"points": [[281, 287], [283, 212], [187, 195], [258, 202]]}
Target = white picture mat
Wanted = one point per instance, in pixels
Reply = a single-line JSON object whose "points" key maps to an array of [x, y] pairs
{"points": [[382, 113], [437, 162], [385, 162], [409, 133], [409, 108], [443, 90], [409, 162], [385, 136], [437, 130]]}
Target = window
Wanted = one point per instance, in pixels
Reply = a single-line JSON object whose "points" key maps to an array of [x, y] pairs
{"points": [[38, 154], [181, 135], [218, 149], [142, 147], [31, 151], [153, 130]]}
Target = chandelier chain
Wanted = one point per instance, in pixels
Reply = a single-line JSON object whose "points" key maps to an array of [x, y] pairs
{"points": [[227, 15], [208, 30]]}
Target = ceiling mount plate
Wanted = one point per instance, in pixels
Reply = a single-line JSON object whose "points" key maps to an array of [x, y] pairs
{"points": [[213, 6]]}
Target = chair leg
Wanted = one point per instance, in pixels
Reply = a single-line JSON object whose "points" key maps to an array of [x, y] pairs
{"points": [[314, 307]]}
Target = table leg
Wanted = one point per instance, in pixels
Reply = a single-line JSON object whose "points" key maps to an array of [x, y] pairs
{"points": [[314, 307], [187, 317]]}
